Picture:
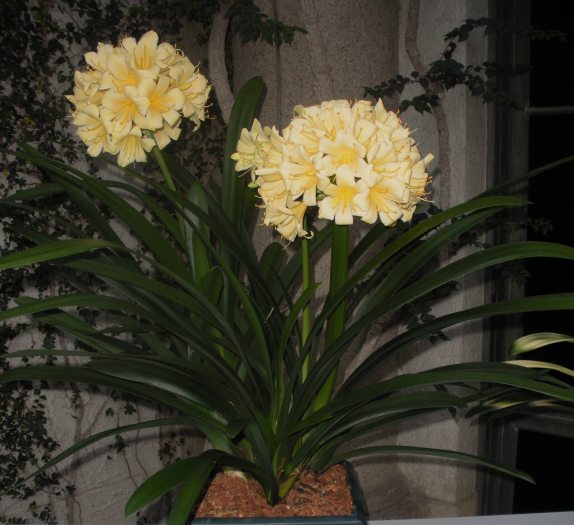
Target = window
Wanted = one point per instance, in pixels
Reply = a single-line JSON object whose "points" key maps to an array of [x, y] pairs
{"points": [[527, 139]]}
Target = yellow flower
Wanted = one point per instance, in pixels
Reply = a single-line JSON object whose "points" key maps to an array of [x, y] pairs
{"points": [[166, 134], [386, 197], [132, 147], [122, 110], [286, 219], [344, 150], [136, 85], [195, 90], [164, 103], [86, 90], [301, 172], [98, 61], [167, 56], [252, 148], [349, 159], [342, 198], [123, 74], [141, 55], [92, 131], [271, 183]]}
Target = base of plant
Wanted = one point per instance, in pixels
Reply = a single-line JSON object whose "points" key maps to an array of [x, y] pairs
{"points": [[332, 497]]}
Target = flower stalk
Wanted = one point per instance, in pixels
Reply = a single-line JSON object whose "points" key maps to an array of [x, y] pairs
{"points": [[339, 270], [306, 314]]}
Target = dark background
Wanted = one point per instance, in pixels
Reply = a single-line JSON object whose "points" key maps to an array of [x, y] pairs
{"points": [[550, 458]]}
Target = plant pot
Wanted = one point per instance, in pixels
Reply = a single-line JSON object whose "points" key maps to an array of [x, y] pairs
{"points": [[357, 517]]}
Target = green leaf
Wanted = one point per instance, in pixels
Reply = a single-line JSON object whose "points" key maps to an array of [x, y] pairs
{"points": [[374, 409], [61, 301], [198, 254], [158, 484], [192, 485], [337, 424], [421, 229], [505, 186], [141, 227], [474, 262], [154, 206], [386, 351], [242, 115], [200, 417], [542, 365], [40, 190], [83, 443], [291, 319], [271, 261], [530, 342], [191, 385], [421, 255], [233, 186], [51, 251], [432, 452], [163, 297], [495, 373], [478, 210]]}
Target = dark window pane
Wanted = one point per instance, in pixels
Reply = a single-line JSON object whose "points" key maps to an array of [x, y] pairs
{"points": [[552, 60], [551, 194], [550, 461]]}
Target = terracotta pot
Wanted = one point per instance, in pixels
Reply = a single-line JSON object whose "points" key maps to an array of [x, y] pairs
{"points": [[357, 517]]}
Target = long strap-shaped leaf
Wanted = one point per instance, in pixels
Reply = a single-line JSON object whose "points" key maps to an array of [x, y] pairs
{"points": [[188, 384], [480, 211], [190, 299], [396, 278], [52, 251], [432, 452], [62, 301], [201, 417], [261, 362], [233, 187], [386, 351], [84, 332], [507, 185], [428, 225], [165, 219], [191, 475], [466, 265], [83, 443], [356, 415], [146, 231], [159, 484], [85, 204], [497, 373], [242, 115], [367, 413]]}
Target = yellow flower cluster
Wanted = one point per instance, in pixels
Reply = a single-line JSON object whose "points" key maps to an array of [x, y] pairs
{"points": [[133, 87], [350, 160]]}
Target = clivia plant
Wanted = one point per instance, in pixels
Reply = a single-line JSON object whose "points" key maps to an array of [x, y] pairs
{"points": [[236, 344]]}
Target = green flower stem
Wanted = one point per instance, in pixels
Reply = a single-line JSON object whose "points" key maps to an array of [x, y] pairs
{"points": [[336, 323], [160, 159], [306, 316]]}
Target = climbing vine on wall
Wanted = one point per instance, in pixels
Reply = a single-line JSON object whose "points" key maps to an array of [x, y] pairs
{"points": [[447, 72]]}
